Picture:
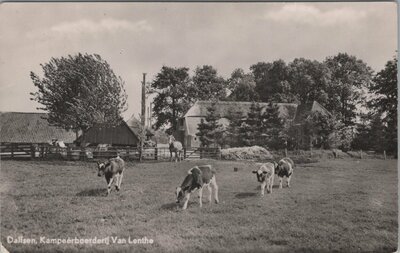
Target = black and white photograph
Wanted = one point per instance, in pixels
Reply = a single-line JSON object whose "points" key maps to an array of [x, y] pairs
{"points": [[219, 127]]}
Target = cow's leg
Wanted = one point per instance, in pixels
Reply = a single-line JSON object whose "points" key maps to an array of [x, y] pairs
{"points": [[187, 197], [263, 184], [109, 181], [209, 193], [170, 156], [116, 181], [215, 188], [272, 183], [201, 196], [120, 180], [288, 181], [280, 182], [176, 156]]}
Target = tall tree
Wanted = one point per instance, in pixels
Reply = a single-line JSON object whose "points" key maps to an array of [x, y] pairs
{"points": [[210, 131], [80, 91], [242, 86], [172, 86], [309, 80], [349, 77], [272, 81], [384, 102], [207, 85]]}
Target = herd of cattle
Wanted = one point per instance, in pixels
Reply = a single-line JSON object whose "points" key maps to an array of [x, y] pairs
{"points": [[202, 176]]}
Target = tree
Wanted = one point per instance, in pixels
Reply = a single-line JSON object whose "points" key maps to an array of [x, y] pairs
{"points": [[80, 91], [349, 76], [172, 86], [207, 85], [233, 130], [273, 128], [242, 86], [272, 82], [384, 87], [251, 130], [210, 131], [308, 81]]}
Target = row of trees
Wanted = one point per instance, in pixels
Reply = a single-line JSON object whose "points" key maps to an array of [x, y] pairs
{"points": [[344, 85], [82, 90]]}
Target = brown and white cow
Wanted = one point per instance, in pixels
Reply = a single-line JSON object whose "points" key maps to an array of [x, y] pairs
{"points": [[197, 178], [112, 169], [265, 175], [284, 169]]}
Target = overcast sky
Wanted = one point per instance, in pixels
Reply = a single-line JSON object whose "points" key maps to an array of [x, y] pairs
{"points": [[142, 37]]}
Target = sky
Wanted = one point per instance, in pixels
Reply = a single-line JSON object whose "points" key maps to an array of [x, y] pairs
{"points": [[136, 38]]}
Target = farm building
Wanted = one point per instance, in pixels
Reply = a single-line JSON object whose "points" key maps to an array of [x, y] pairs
{"points": [[20, 132], [125, 134], [187, 126]]}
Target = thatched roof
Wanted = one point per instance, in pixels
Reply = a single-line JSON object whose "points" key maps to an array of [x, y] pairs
{"points": [[303, 111], [29, 127], [223, 108]]}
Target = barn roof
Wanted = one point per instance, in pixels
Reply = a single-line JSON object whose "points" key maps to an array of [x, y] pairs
{"points": [[303, 111], [135, 125], [223, 108], [30, 127]]}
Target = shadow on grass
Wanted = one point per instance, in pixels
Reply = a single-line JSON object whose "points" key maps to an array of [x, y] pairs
{"points": [[170, 206], [100, 192], [243, 195]]}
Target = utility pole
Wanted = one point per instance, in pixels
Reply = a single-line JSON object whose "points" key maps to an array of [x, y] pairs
{"points": [[143, 116]]}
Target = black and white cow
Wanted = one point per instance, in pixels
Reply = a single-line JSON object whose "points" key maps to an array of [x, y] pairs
{"points": [[197, 178], [284, 169], [112, 169], [265, 175]]}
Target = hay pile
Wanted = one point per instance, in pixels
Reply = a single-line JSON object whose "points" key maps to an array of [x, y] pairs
{"points": [[244, 153]]}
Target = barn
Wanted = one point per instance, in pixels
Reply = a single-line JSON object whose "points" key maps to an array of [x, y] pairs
{"points": [[187, 125], [21, 132], [127, 133]]}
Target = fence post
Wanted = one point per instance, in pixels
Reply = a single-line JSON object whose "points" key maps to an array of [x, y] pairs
{"points": [[12, 150], [32, 152], [361, 154], [219, 155], [156, 153], [384, 154], [184, 153], [286, 152]]}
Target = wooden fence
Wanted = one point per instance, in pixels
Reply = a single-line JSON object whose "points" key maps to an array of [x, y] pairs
{"points": [[45, 151]]}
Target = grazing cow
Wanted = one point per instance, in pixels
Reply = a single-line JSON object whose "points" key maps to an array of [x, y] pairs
{"points": [[284, 169], [197, 178], [265, 175], [175, 147], [113, 168]]}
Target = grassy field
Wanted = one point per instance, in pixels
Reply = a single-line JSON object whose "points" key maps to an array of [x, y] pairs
{"points": [[332, 206]]}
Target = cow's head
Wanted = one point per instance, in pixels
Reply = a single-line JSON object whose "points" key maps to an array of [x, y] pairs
{"points": [[101, 166], [260, 175], [180, 194]]}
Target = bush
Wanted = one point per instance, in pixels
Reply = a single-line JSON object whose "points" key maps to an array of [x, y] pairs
{"points": [[243, 153]]}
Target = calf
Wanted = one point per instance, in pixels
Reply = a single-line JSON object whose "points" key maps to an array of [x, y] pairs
{"points": [[284, 169], [265, 175], [197, 178], [113, 168]]}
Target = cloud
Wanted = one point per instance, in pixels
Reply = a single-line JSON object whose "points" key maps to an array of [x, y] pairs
{"points": [[311, 15], [86, 26]]}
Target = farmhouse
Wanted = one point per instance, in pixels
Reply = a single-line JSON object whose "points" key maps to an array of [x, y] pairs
{"points": [[21, 133], [30, 128], [187, 125]]}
